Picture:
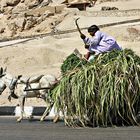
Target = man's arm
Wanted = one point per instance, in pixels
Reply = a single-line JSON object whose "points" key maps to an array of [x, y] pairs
{"points": [[94, 40]]}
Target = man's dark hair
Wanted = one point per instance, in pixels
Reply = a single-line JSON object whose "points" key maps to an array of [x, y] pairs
{"points": [[93, 28]]}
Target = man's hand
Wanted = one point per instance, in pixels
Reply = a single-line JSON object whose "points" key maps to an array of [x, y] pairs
{"points": [[86, 46], [82, 36]]}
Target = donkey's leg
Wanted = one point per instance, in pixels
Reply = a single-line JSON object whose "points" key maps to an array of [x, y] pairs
{"points": [[47, 111], [56, 118], [22, 102]]}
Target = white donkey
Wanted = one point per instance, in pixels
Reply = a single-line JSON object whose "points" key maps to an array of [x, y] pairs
{"points": [[37, 86]]}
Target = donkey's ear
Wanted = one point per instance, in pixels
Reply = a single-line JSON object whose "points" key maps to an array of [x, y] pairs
{"points": [[1, 71], [5, 69]]}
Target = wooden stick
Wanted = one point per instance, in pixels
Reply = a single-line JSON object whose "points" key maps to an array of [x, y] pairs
{"points": [[76, 22], [34, 89]]}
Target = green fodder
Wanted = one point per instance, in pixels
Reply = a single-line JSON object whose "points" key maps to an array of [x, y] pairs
{"points": [[71, 63], [106, 92]]}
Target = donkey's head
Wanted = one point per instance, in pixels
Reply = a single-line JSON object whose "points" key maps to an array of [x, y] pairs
{"points": [[7, 80]]}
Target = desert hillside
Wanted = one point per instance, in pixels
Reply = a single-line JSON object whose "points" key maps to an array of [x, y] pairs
{"points": [[37, 35]]}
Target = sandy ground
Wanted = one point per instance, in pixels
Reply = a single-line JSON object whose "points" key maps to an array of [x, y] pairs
{"points": [[45, 55]]}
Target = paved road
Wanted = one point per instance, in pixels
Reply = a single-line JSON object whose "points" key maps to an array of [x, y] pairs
{"points": [[35, 130]]}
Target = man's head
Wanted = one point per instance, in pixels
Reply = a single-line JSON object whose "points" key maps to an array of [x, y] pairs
{"points": [[93, 29]]}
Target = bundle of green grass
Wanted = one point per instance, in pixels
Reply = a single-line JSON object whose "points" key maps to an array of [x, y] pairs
{"points": [[103, 93]]}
